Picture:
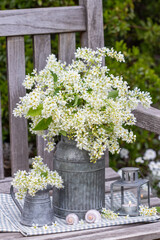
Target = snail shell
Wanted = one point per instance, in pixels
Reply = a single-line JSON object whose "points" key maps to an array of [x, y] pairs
{"points": [[92, 216], [72, 219]]}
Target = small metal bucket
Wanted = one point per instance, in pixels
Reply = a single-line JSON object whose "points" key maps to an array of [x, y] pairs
{"points": [[36, 209]]}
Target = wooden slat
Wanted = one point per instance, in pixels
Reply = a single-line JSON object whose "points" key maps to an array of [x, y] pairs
{"points": [[94, 36], [139, 231], [106, 156], [42, 49], [1, 147], [155, 201], [67, 235], [148, 119], [42, 21], [18, 126], [111, 175], [67, 46]]}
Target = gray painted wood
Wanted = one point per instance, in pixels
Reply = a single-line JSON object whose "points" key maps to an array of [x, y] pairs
{"points": [[1, 146], [106, 156], [42, 49], [148, 119], [18, 126], [94, 36], [140, 231], [66, 47], [110, 174], [42, 20]]}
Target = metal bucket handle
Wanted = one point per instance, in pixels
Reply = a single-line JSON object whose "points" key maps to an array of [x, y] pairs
{"points": [[14, 199]]}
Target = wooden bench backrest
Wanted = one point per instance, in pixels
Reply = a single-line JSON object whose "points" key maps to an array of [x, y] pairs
{"points": [[66, 21]]}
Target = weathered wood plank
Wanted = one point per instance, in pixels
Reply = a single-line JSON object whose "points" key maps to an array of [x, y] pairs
{"points": [[66, 47], [42, 21], [42, 49], [1, 146], [57, 236], [148, 119], [5, 185], [7, 179], [139, 231], [155, 201], [111, 175], [18, 126], [106, 156], [93, 37]]}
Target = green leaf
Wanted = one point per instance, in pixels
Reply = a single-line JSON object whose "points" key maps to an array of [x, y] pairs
{"points": [[62, 132], [89, 90], [54, 75], [56, 91], [103, 108], [43, 124], [113, 94], [44, 174], [108, 128], [35, 112], [158, 209], [76, 101]]}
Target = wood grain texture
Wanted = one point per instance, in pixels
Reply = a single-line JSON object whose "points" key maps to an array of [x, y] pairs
{"points": [[42, 49], [110, 174], [58, 236], [42, 21], [93, 37], [148, 119], [1, 146], [150, 231], [18, 126], [66, 47]]}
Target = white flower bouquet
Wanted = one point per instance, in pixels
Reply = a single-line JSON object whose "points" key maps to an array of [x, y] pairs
{"points": [[39, 178], [81, 101]]}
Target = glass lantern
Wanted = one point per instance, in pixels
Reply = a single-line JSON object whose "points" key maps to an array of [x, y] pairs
{"points": [[128, 193]]}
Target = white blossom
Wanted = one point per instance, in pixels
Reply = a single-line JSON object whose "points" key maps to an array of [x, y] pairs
{"points": [[139, 160], [83, 101], [39, 178], [150, 154], [155, 168], [124, 153]]}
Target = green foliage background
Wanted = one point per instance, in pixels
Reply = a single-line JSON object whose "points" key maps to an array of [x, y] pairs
{"points": [[130, 26]]}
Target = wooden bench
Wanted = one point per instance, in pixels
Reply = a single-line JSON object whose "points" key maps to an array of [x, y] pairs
{"points": [[65, 21]]}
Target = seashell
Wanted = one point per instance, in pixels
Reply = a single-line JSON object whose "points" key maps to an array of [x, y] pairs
{"points": [[72, 219], [92, 216]]}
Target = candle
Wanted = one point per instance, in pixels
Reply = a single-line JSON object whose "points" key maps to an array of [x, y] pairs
{"points": [[130, 208]]}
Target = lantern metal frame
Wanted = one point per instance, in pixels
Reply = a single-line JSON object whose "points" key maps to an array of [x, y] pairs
{"points": [[130, 180]]}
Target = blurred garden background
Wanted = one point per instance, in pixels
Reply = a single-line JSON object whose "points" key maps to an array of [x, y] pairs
{"points": [[132, 27]]}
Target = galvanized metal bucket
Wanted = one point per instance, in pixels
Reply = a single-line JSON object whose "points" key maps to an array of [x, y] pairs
{"points": [[84, 182], [36, 209]]}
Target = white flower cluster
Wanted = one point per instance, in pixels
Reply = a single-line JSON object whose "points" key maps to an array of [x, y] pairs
{"points": [[83, 101], [108, 214], [155, 168], [124, 153], [149, 154], [147, 212], [39, 178]]}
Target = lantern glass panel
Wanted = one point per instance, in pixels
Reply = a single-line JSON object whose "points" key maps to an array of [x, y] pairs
{"points": [[128, 193], [144, 192], [125, 200]]}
